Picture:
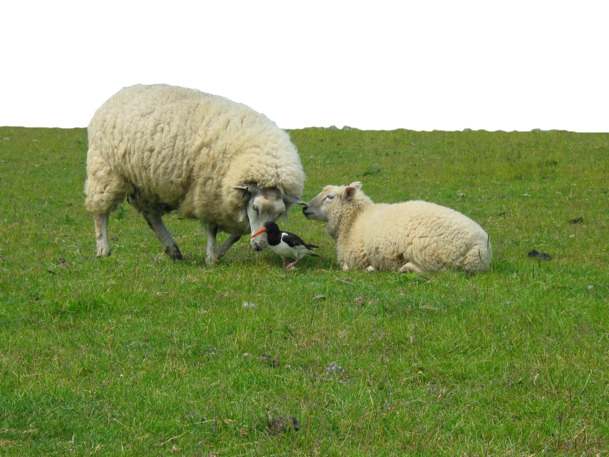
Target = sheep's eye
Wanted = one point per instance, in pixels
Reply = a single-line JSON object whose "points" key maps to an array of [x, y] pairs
{"points": [[255, 208], [329, 197]]}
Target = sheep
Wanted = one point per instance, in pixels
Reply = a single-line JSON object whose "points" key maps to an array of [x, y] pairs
{"points": [[171, 148], [413, 236]]}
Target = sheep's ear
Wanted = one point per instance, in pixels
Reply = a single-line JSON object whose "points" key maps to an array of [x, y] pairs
{"points": [[293, 200], [249, 187], [356, 184], [349, 193]]}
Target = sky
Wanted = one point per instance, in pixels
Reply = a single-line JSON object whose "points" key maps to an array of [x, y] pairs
{"points": [[374, 65]]}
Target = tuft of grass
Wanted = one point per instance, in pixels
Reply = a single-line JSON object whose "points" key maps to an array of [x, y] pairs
{"points": [[138, 355]]}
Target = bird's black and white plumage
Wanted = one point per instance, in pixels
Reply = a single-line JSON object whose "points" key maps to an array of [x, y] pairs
{"points": [[286, 244]]}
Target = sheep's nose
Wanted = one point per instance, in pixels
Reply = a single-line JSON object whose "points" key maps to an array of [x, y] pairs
{"points": [[257, 245], [305, 207]]}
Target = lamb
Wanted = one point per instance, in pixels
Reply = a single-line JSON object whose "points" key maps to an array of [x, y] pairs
{"points": [[414, 236], [170, 148]]}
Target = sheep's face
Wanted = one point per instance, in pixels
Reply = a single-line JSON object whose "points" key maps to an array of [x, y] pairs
{"points": [[265, 205], [329, 201], [319, 207]]}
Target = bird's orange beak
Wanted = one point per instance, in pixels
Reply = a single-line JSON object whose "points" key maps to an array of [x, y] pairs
{"points": [[258, 232]]}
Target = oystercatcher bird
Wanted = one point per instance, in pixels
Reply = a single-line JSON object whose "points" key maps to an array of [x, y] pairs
{"points": [[286, 244]]}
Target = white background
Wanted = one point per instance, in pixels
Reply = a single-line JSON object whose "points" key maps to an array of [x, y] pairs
{"points": [[420, 65]]}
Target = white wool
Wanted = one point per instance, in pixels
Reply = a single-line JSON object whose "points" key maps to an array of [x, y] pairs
{"points": [[411, 236], [175, 148]]}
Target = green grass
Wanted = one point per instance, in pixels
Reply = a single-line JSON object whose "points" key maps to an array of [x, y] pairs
{"points": [[138, 355]]}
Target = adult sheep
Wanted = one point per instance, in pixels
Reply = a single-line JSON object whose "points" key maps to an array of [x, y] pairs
{"points": [[413, 236], [170, 148]]}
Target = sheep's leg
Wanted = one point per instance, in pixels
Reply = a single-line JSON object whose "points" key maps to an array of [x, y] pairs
{"points": [[155, 221], [212, 230], [215, 252], [221, 250], [101, 234]]}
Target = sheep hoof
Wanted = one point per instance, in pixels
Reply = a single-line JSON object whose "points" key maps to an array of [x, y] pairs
{"points": [[173, 252], [370, 268], [410, 267], [103, 251]]}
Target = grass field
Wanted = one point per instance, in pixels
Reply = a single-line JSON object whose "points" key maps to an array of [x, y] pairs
{"points": [[138, 355]]}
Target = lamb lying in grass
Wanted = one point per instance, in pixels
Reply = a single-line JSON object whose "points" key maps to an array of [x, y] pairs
{"points": [[413, 236]]}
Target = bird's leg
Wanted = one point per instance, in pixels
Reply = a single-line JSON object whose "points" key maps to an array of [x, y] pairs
{"points": [[284, 263], [290, 266]]}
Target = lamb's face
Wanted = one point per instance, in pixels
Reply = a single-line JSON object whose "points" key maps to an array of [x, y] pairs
{"points": [[322, 205], [330, 201]]}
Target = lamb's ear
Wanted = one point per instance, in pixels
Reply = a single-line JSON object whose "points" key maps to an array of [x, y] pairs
{"points": [[293, 200], [349, 193], [356, 184]]}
